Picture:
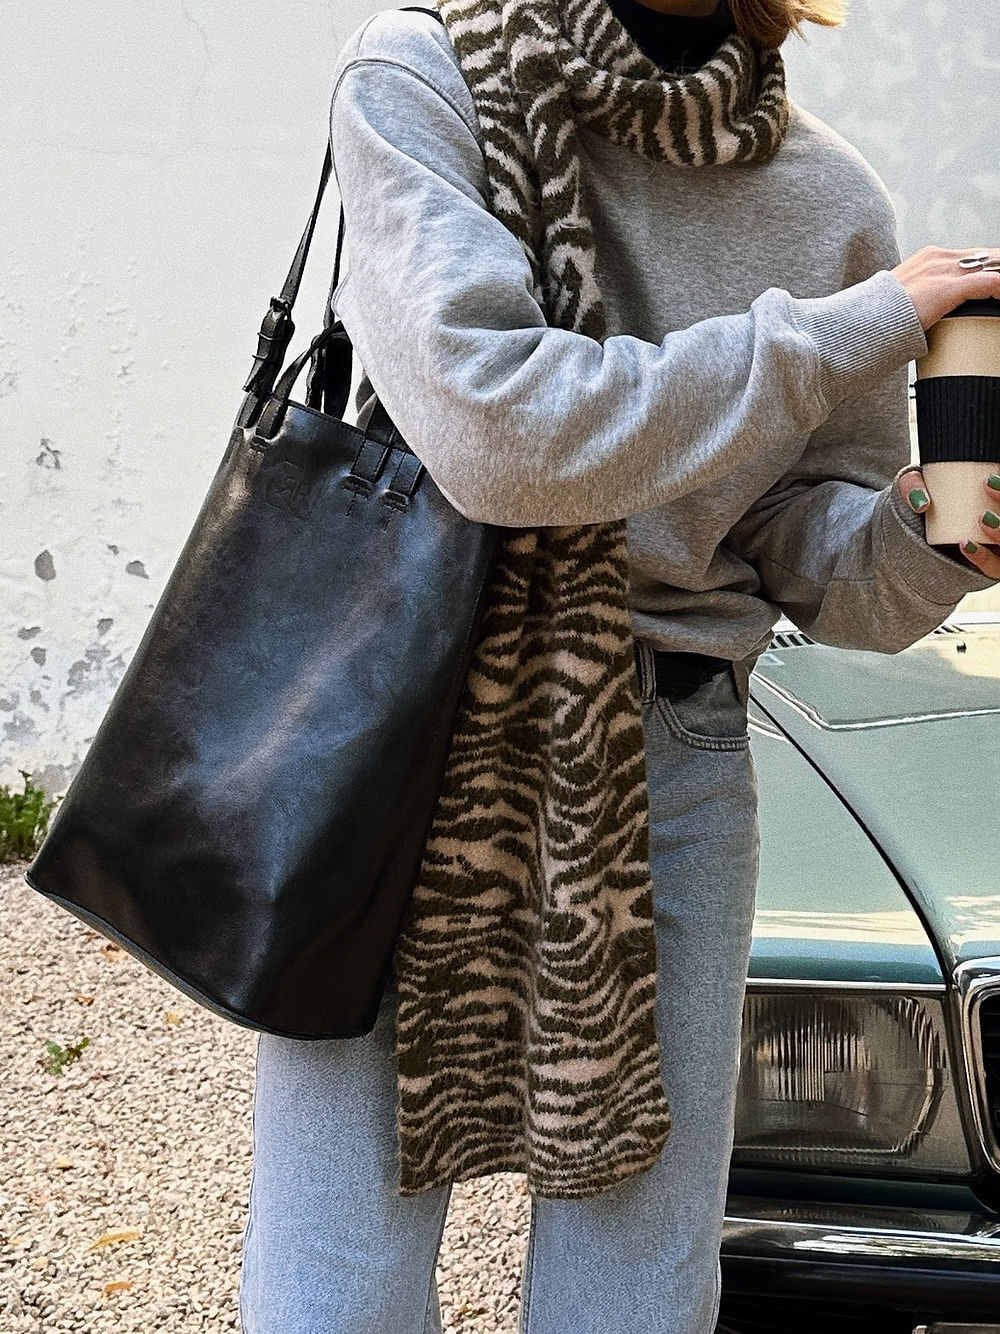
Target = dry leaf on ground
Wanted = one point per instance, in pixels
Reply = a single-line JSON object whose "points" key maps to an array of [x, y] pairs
{"points": [[120, 1285], [113, 1239]]}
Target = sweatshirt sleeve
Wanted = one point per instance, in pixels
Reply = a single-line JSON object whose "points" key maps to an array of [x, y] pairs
{"points": [[525, 425]]}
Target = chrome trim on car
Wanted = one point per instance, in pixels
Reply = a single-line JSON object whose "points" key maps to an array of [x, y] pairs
{"points": [[846, 984], [974, 981], [948, 1327], [784, 1229], [815, 719], [756, 725]]}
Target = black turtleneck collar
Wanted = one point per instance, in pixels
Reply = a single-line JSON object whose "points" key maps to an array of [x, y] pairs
{"points": [[677, 44]]}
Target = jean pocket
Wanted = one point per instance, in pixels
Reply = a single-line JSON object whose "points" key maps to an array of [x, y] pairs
{"points": [[713, 718]]}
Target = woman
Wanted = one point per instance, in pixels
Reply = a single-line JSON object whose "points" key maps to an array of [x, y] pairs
{"points": [[605, 280]]}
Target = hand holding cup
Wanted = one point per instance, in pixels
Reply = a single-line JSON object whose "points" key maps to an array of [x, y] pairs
{"points": [[957, 297], [979, 548], [938, 280]]}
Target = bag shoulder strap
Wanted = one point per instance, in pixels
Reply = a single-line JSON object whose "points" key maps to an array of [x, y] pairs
{"points": [[277, 327]]}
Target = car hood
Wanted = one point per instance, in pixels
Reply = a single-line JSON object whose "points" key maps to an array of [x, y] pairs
{"points": [[909, 744]]}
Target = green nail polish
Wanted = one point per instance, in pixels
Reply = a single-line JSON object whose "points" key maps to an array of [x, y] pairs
{"points": [[993, 482], [991, 520], [918, 499], [970, 548]]}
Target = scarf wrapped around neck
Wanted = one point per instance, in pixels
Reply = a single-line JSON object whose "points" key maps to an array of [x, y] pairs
{"points": [[526, 968]]}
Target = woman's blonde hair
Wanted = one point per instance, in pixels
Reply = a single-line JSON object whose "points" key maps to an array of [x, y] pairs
{"points": [[766, 23]]}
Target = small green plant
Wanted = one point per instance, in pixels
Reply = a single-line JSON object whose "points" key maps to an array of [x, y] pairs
{"points": [[59, 1057], [24, 818]]}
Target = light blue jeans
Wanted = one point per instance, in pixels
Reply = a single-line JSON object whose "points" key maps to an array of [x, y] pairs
{"points": [[331, 1247]]}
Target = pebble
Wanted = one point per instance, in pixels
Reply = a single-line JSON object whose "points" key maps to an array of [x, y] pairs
{"points": [[150, 1131]]}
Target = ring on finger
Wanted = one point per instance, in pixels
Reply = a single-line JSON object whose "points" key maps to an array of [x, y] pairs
{"points": [[981, 262]]}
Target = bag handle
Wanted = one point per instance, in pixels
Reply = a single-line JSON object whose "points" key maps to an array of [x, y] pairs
{"points": [[273, 412], [333, 339]]}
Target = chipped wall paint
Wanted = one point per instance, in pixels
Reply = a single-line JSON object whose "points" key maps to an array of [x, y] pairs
{"points": [[159, 160]]}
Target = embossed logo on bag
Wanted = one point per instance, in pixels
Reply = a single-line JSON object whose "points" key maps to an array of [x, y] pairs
{"points": [[289, 488]]}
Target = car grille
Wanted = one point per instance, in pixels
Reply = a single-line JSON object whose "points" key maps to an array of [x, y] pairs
{"points": [[989, 1028], [791, 639]]}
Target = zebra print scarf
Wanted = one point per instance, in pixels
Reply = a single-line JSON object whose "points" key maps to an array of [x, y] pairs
{"points": [[526, 971]]}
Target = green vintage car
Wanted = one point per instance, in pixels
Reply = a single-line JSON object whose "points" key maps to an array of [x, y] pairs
{"points": [[865, 1180]]}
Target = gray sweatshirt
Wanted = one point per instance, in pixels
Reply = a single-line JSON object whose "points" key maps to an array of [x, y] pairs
{"points": [[747, 413]]}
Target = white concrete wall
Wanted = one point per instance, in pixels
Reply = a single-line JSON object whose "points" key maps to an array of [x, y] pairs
{"points": [[158, 161], [915, 84]]}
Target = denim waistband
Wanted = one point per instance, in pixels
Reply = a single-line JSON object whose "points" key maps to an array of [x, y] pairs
{"points": [[675, 675]]}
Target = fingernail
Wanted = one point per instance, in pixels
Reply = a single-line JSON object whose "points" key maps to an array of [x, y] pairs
{"points": [[970, 548], [993, 482], [918, 499], [991, 520]]}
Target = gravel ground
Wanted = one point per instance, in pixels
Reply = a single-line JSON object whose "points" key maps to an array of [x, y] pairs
{"points": [[124, 1179]]}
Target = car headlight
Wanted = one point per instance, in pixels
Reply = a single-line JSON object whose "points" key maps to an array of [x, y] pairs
{"points": [[847, 1079]]}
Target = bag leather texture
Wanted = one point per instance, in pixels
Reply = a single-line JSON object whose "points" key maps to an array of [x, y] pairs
{"points": [[250, 817]]}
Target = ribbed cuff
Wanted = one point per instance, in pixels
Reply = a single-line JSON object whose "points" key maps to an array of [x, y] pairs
{"points": [[930, 572], [861, 334]]}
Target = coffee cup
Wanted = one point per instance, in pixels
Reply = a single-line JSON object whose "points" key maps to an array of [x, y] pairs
{"points": [[958, 419]]}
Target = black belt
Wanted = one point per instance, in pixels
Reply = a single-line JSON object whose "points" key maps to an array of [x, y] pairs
{"points": [[679, 675]]}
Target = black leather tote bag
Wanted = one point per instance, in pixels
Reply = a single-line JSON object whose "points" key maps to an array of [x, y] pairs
{"points": [[250, 817]]}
